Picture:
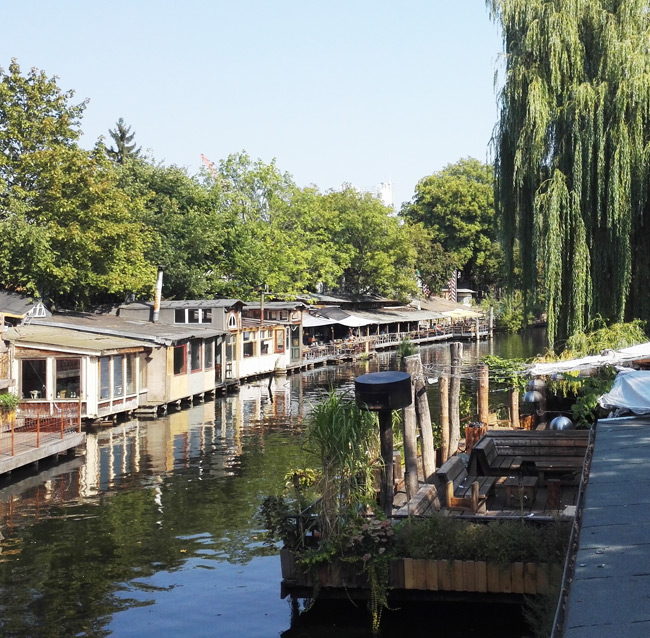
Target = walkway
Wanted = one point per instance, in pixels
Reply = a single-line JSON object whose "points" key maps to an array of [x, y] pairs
{"points": [[609, 594]]}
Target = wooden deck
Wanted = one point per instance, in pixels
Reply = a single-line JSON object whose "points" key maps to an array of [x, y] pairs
{"points": [[26, 441]]}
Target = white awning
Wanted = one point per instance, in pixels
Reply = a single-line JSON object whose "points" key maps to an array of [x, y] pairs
{"points": [[311, 321], [631, 391]]}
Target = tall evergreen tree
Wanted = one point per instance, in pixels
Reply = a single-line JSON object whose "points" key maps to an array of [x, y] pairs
{"points": [[124, 145], [572, 155]]}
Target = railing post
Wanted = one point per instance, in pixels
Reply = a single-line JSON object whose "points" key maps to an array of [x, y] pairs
{"points": [[38, 430], [79, 417], [61, 423], [13, 427]]}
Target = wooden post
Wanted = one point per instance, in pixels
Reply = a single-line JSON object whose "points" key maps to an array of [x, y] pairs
{"points": [[38, 430], [386, 494], [478, 328], [414, 366], [454, 396], [409, 423], [443, 382], [13, 433], [491, 322], [483, 393], [61, 423], [514, 408]]}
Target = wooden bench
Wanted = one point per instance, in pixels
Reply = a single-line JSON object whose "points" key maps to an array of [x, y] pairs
{"points": [[540, 452], [425, 503], [463, 491]]}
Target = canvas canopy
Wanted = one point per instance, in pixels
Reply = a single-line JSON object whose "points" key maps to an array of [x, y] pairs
{"points": [[630, 393], [461, 313], [608, 358]]}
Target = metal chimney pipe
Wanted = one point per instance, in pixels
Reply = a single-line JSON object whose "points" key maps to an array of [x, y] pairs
{"points": [[158, 295]]}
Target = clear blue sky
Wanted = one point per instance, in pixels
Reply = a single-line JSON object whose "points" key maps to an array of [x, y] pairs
{"points": [[358, 91]]}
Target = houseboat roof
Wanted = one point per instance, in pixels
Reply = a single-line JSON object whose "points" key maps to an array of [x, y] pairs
{"points": [[276, 305], [161, 333], [14, 304], [184, 303], [70, 340]]}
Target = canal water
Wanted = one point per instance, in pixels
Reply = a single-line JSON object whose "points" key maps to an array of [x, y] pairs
{"points": [[153, 532]]}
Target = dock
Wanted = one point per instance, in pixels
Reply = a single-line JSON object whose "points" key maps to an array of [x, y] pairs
{"points": [[607, 590], [26, 441]]}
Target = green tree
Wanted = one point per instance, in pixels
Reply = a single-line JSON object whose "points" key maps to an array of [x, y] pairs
{"points": [[125, 147], [456, 205], [68, 234], [571, 156], [374, 251]]}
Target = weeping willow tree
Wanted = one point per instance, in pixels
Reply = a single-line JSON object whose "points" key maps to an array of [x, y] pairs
{"points": [[571, 156]]}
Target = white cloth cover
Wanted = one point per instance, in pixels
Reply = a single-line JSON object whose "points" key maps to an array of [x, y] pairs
{"points": [[631, 391]]}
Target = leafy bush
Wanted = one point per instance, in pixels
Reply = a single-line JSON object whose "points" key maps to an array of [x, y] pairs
{"points": [[9, 402]]}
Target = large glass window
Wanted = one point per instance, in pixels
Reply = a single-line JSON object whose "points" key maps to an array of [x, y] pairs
{"points": [[209, 354], [194, 315], [207, 316], [142, 371], [68, 377], [195, 354], [130, 374], [33, 378], [179, 315], [104, 377], [118, 375], [180, 359]]}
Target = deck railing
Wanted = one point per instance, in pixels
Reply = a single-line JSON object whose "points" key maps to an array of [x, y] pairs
{"points": [[20, 433]]}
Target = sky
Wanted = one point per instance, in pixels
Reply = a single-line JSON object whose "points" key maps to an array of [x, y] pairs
{"points": [[356, 91]]}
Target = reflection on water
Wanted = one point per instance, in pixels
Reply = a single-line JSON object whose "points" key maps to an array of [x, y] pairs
{"points": [[154, 529]]}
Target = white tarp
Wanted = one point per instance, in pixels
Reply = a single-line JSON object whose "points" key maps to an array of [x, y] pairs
{"points": [[630, 392], [611, 358]]}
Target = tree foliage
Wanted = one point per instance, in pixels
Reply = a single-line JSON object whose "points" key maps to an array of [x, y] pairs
{"points": [[68, 234], [125, 147], [572, 155], [456, 205], [82, 228]]}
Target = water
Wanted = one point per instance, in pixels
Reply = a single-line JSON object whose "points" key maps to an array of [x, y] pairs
{"points": [[154, 531]]}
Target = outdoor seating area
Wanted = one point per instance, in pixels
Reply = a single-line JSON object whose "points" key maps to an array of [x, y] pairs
{"points": [[542, 453]]}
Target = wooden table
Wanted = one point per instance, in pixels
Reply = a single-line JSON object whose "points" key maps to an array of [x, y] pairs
{"points": [[527, 483]]}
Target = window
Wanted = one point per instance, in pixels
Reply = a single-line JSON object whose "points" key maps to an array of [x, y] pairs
{"points": [[230, 348], [194, 315], [68, 376], [195, 354], [209, 353], [207, 316], [104, 377], [130, 374], [279, 341], [284, 315], [142, 371], [179, 315], [118, 375], [249, 348], [180, 359], [232, 322], [33, 378]]}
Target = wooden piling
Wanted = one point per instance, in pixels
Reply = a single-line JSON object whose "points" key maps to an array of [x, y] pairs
{"points": [[454, 396], [414, 367], [443, 383], [483, 393]]}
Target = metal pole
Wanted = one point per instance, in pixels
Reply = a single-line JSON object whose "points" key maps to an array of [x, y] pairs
{"points": [[386, 440]]}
